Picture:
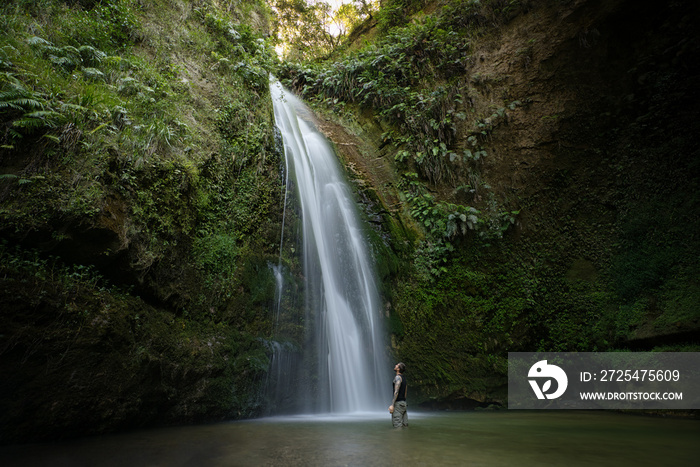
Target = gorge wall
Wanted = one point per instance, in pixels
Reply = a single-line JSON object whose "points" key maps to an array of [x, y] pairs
{"points": [[586, 113], [140, 203]]}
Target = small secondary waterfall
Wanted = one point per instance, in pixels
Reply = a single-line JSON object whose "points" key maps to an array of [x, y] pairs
{"points": [[342, 303]]}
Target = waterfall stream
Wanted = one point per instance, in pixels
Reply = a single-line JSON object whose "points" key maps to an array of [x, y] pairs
{"points": [[342, 304]]}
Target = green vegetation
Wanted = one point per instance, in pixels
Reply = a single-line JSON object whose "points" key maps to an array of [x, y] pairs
{"points": [[591, 251], [411, 79], [307, 30], [128, 363], [139, 186], [543, 193]]}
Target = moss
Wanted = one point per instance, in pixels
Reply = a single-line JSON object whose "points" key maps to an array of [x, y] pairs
{"points": [[113, 360], [600, 253], [140, 213]]}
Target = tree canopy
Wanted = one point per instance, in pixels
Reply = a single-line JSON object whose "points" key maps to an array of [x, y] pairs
{"points": [[307, 29]]}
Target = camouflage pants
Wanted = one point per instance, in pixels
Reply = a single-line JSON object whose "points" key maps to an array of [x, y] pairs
{"points": [[399, 418]]}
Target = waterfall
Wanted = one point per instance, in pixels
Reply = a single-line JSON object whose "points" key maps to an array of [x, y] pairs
{"points": [[348, 368]]}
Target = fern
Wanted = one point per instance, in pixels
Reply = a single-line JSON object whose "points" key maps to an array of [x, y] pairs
{"points": [[91, 56], [21, 181], [44, 114], [93, 74], [4, 106], [18, 98], [10, 80], [71, 51], [51, 50], [67, 63], [32, 121], [128, 86], [37, 41], [53, 138], [73, 108], [22, 103], [29, 124], [69, 58]]}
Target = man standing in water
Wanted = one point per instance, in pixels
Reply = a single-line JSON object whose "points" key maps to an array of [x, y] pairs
{"points": [[397, 409]]}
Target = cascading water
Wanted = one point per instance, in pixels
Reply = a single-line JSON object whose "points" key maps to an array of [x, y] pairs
{"points": [[342, 303]]}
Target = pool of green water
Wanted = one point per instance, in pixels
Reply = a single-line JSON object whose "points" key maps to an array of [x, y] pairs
{"points": [[537, 438]]}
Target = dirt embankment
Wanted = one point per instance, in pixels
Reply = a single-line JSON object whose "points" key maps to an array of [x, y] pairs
{"points": [[596, 149]]}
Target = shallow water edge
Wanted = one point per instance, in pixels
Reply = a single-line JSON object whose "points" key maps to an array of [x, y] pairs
{"points": [[524, 438]]}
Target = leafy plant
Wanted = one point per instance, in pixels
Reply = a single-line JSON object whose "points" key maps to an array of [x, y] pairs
{"points": [[407, 79]]}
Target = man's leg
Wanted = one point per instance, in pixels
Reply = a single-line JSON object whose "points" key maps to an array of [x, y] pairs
{"points": [[398, 418]]}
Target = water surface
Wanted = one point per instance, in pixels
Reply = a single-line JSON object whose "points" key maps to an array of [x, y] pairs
{"points": [[572, 438]]}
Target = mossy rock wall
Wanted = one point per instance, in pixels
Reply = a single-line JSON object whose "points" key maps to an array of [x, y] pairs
{"points": [[140, 204], [582, 115]]}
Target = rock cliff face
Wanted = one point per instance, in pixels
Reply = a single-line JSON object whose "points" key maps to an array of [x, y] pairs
{"points": [[139, 205], [598, 153]]}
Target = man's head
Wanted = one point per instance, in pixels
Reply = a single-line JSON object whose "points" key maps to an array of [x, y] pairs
{"points": [[400, 367]]}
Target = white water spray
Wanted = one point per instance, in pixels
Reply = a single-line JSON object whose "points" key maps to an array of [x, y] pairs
{"points": [[342, 300]]}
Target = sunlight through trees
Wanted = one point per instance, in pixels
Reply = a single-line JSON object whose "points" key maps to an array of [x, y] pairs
{"points": [[307, 29]]}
